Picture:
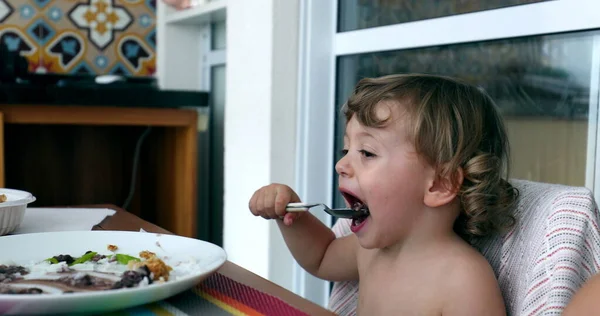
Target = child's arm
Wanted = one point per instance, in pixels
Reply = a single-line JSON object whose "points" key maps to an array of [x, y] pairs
{"points": [[585, 301], [313, 245], [317, 250]]}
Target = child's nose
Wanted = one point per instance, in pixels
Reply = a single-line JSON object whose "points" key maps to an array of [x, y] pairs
{"points": [[343, 167]]}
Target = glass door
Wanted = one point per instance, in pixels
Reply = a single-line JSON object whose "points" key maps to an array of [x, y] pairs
{"points": [[542, 84]]}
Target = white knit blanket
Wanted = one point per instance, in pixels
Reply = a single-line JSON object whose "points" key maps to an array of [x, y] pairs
{"points": [[541, 263]]}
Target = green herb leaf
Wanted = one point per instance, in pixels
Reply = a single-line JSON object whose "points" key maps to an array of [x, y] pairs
{"points": [[52, 260], [87, 257], [124, 259]]}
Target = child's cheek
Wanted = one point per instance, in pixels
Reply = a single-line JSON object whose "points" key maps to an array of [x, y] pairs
{"points": [[378, 195]]}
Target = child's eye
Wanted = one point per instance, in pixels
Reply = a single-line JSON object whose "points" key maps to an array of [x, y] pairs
{"points": [[367, 154], [344, 152]]}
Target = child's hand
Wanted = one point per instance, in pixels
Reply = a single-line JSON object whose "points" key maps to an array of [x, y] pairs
{"points": [[270, 202]]}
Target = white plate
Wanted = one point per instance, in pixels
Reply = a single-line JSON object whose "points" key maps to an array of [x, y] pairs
{"points": [[22, 249]]}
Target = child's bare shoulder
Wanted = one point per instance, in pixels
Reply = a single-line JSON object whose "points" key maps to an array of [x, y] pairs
{"points": [[471, 285]]}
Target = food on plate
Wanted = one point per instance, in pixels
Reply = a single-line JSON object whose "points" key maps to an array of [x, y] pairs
{"points": [[91, 271], [3, 198], [158, 267], [147, 254]]}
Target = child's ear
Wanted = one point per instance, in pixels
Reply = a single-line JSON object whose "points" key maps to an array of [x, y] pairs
{"points": [[442, 190]]}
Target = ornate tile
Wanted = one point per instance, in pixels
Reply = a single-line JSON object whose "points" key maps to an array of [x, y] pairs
{"points": [[82, 36], [5, 10], [101, 19], [40, 31]]}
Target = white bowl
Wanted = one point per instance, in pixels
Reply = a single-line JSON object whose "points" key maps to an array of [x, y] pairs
{"points": [[13, 210]]}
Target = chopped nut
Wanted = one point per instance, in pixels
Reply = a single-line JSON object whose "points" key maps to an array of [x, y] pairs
{"points": [[147, 254], [3, 198], [112, 248]]}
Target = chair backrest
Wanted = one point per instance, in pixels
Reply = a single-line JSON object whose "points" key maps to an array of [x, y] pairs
{"points": [[552, 250]]}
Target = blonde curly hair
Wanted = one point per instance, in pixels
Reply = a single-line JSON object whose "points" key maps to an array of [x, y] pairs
{"points": [[454, 126]]}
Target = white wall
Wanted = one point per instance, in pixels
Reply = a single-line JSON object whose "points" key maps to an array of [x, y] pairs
{"points": [[178, 47], [260, 118], [283, 119]]}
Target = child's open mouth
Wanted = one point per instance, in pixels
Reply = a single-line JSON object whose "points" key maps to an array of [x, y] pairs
{"points": [[359, 206]]}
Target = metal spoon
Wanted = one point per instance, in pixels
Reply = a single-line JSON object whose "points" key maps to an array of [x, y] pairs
{"points": [[337, 212]]}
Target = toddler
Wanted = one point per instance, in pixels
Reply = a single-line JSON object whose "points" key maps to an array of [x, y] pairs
{"points": [[428, 157]]}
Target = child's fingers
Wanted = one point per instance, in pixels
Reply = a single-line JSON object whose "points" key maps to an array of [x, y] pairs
{"points": [[281, 201], [269, 202], [259, 203], [252, 204], [289, 218]]}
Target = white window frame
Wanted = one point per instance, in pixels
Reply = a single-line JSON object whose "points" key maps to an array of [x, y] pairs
{"points": [[315, 122], [320, 45], [210, 57]]}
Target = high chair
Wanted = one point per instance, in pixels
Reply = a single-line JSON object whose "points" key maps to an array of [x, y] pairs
{"points": [[552, 250]]}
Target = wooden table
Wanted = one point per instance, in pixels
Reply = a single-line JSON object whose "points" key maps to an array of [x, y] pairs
{"points": [[122, 220]]}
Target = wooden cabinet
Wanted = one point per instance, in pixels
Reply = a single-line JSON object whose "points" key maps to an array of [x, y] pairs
{"points": [[77, 155]]}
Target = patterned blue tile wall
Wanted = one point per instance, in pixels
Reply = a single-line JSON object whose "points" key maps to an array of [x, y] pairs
{"points": [[82, 36]]}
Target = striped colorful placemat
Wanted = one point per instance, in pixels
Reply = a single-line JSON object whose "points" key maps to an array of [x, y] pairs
{"points": [[217, 295]]}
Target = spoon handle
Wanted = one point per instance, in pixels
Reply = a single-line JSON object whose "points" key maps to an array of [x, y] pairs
{"points": [[299, 207]]}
